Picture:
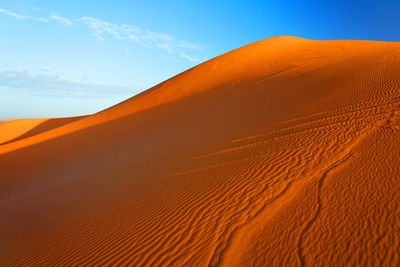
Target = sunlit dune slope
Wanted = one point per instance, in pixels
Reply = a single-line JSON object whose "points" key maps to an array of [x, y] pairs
{"points": [[14, 130], [282, 152]]}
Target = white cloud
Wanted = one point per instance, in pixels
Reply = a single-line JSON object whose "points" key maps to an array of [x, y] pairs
{"points": [[190, 58], [61, 19], [19, 16], [166, 47], [48, 83], [100, 28]]}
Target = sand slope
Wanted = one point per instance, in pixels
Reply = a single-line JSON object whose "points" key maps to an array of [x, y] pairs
{"points": [[15, 130], [285, 151]]}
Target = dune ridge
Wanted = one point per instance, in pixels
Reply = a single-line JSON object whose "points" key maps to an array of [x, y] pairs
{"points": [[282, 152]]}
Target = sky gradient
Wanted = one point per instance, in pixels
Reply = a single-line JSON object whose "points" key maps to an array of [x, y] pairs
{"points": [[67, 58]]}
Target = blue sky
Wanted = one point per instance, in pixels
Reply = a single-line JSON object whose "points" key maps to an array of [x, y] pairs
{"points": [[66, 58]]}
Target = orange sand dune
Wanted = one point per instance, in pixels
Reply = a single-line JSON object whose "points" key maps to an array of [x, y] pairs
{"points": [[16, 128], [282, 152], [19, 129]]}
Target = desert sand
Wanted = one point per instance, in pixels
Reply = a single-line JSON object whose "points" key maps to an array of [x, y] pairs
{"points": [[282, 152], [19, 129]]}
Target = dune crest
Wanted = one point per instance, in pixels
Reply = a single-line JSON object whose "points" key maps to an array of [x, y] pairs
{"points": [[282, 152]]}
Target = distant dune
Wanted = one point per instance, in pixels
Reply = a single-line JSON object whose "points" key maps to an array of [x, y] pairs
{"points": [[19, 129], [284, 152]]}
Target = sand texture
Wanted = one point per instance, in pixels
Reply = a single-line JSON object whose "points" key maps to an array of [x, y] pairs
{"points": [[285, 152]]}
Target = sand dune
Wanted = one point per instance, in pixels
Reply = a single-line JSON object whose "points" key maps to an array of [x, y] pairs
{"points": [[15, 130], [282, 152]]}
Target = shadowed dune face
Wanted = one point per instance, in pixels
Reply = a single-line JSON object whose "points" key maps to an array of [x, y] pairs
{"points": [[280, 152]]}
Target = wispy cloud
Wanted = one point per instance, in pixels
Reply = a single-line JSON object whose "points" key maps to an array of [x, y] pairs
{"points": [[190, 58], [61, 19], [48, 83], [100, 28], [19, 16]]}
